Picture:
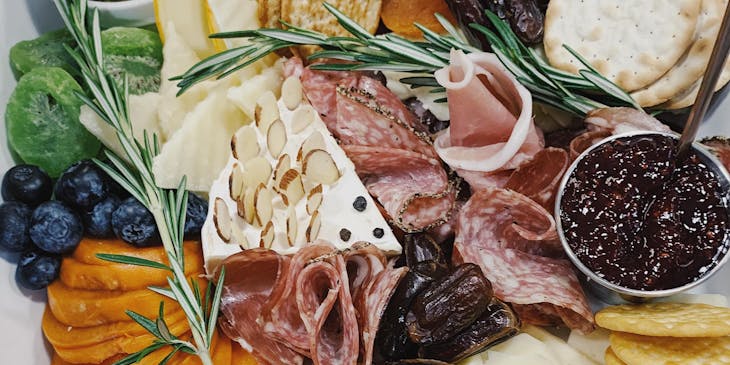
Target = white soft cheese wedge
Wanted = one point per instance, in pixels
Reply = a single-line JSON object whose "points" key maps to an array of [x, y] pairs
{"points": [[559, 349], [287, 183]]}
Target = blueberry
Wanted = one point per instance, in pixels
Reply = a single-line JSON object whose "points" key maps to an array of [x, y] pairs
{"points": [[55, 228], [195, 217], [37, 269], [28, 184], [98, 220], [134, 224], [14, 225], [82, 185]]}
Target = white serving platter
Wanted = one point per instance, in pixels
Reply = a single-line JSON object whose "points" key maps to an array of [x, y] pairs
{"points": [[21, 339]]}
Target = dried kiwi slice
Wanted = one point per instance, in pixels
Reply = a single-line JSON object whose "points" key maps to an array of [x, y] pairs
{"points": [[42, 120], [45, 51], [136, 53]]}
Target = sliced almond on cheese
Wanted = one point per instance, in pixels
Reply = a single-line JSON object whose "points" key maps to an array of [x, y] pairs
{"points": [[282, 166], [291, 226], [315, 141], [236, 185], [263, 207], [291, 92], [276, 138], [267, 236], [245, 144], [291, 187], [320, 167], [222, 220], [314, 199], [315, 223], [302, 118], [256, 171], [266, 112], [245, 206]]}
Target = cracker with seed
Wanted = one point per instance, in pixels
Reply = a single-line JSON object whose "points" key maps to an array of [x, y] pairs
{"points": [[612, 359], [313, 15], [642, 350], [692, 64], [269, 13], [631, 42], [688, 97], [667, 319]]}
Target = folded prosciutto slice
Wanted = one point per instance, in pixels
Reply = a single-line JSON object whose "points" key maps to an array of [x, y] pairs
{"points": [[514, 241], [320, 303], [397, 162], [491, 119]]}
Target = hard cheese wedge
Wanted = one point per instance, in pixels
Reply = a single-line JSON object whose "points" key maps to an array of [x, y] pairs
{"points": [[288, 183]]}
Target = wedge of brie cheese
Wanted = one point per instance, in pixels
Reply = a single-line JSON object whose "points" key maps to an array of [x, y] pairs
{"points": [[288, 183]]}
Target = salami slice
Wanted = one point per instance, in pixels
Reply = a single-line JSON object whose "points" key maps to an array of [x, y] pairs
{"points": [[251, 276], [539, 179], [413, 188], [513, 240], [720, 146]]}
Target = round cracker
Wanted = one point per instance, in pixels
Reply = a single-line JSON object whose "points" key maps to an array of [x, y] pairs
{"points": [[667, 319], [612, 359], [642, 350], [688, 97], [690, 67], [631, 42]]}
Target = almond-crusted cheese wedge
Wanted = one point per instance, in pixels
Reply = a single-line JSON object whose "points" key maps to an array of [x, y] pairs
{"points": [[289, 156]]}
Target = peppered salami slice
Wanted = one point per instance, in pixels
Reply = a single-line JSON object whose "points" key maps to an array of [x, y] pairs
{"points": [[511, 238], [362, 121], [251, 276], [413, 188], [539, 179]]}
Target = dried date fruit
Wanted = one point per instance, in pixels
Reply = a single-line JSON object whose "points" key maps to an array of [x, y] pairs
{"points": [[419, 247], [524, 17], [449, 305], [467, 12], [427, 121], [495, 325]]}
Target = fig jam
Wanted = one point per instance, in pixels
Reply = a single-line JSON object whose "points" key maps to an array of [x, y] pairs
{"points": [[636, 221]]}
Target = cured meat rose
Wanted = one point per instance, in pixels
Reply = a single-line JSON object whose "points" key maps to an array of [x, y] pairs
{"points": [[539, 179], [515, 243], [283, 308], [250, 278], [376, 130], [623, 120], [491, 118]]}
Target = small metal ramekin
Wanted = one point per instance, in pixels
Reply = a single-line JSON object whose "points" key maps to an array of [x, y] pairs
{"points": [[616, 294]]}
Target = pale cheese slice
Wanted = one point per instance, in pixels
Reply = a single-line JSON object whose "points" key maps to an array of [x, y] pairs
{"points": [[303, 204]]}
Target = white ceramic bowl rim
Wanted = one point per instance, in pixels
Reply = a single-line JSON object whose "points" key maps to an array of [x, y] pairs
{"points": [[606, 284]]}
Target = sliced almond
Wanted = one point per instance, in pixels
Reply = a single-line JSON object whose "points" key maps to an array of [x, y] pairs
{"points": [[245, 144], [266, 112], [291, 226], [314, 199], [302, 118], [222, 220], [320, 167], [267, 236], [315, 141], [291, 187], [263, 206], [313, 228], [236, 185], [291, 92], [282, 166], [256, 171], [245, 206], [276, 138]]}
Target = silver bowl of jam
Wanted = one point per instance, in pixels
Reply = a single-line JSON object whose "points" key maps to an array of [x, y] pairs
{"points": [[640, 227]]}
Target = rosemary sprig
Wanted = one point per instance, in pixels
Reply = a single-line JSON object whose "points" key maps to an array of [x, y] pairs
{"points": [[109, 100], [577, 94]]}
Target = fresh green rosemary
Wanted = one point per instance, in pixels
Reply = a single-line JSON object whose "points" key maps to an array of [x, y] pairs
{"points": [[109, 100], [577, 94]]}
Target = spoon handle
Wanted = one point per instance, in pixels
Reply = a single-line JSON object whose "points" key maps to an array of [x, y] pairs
{"points": [[707, 87]]}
